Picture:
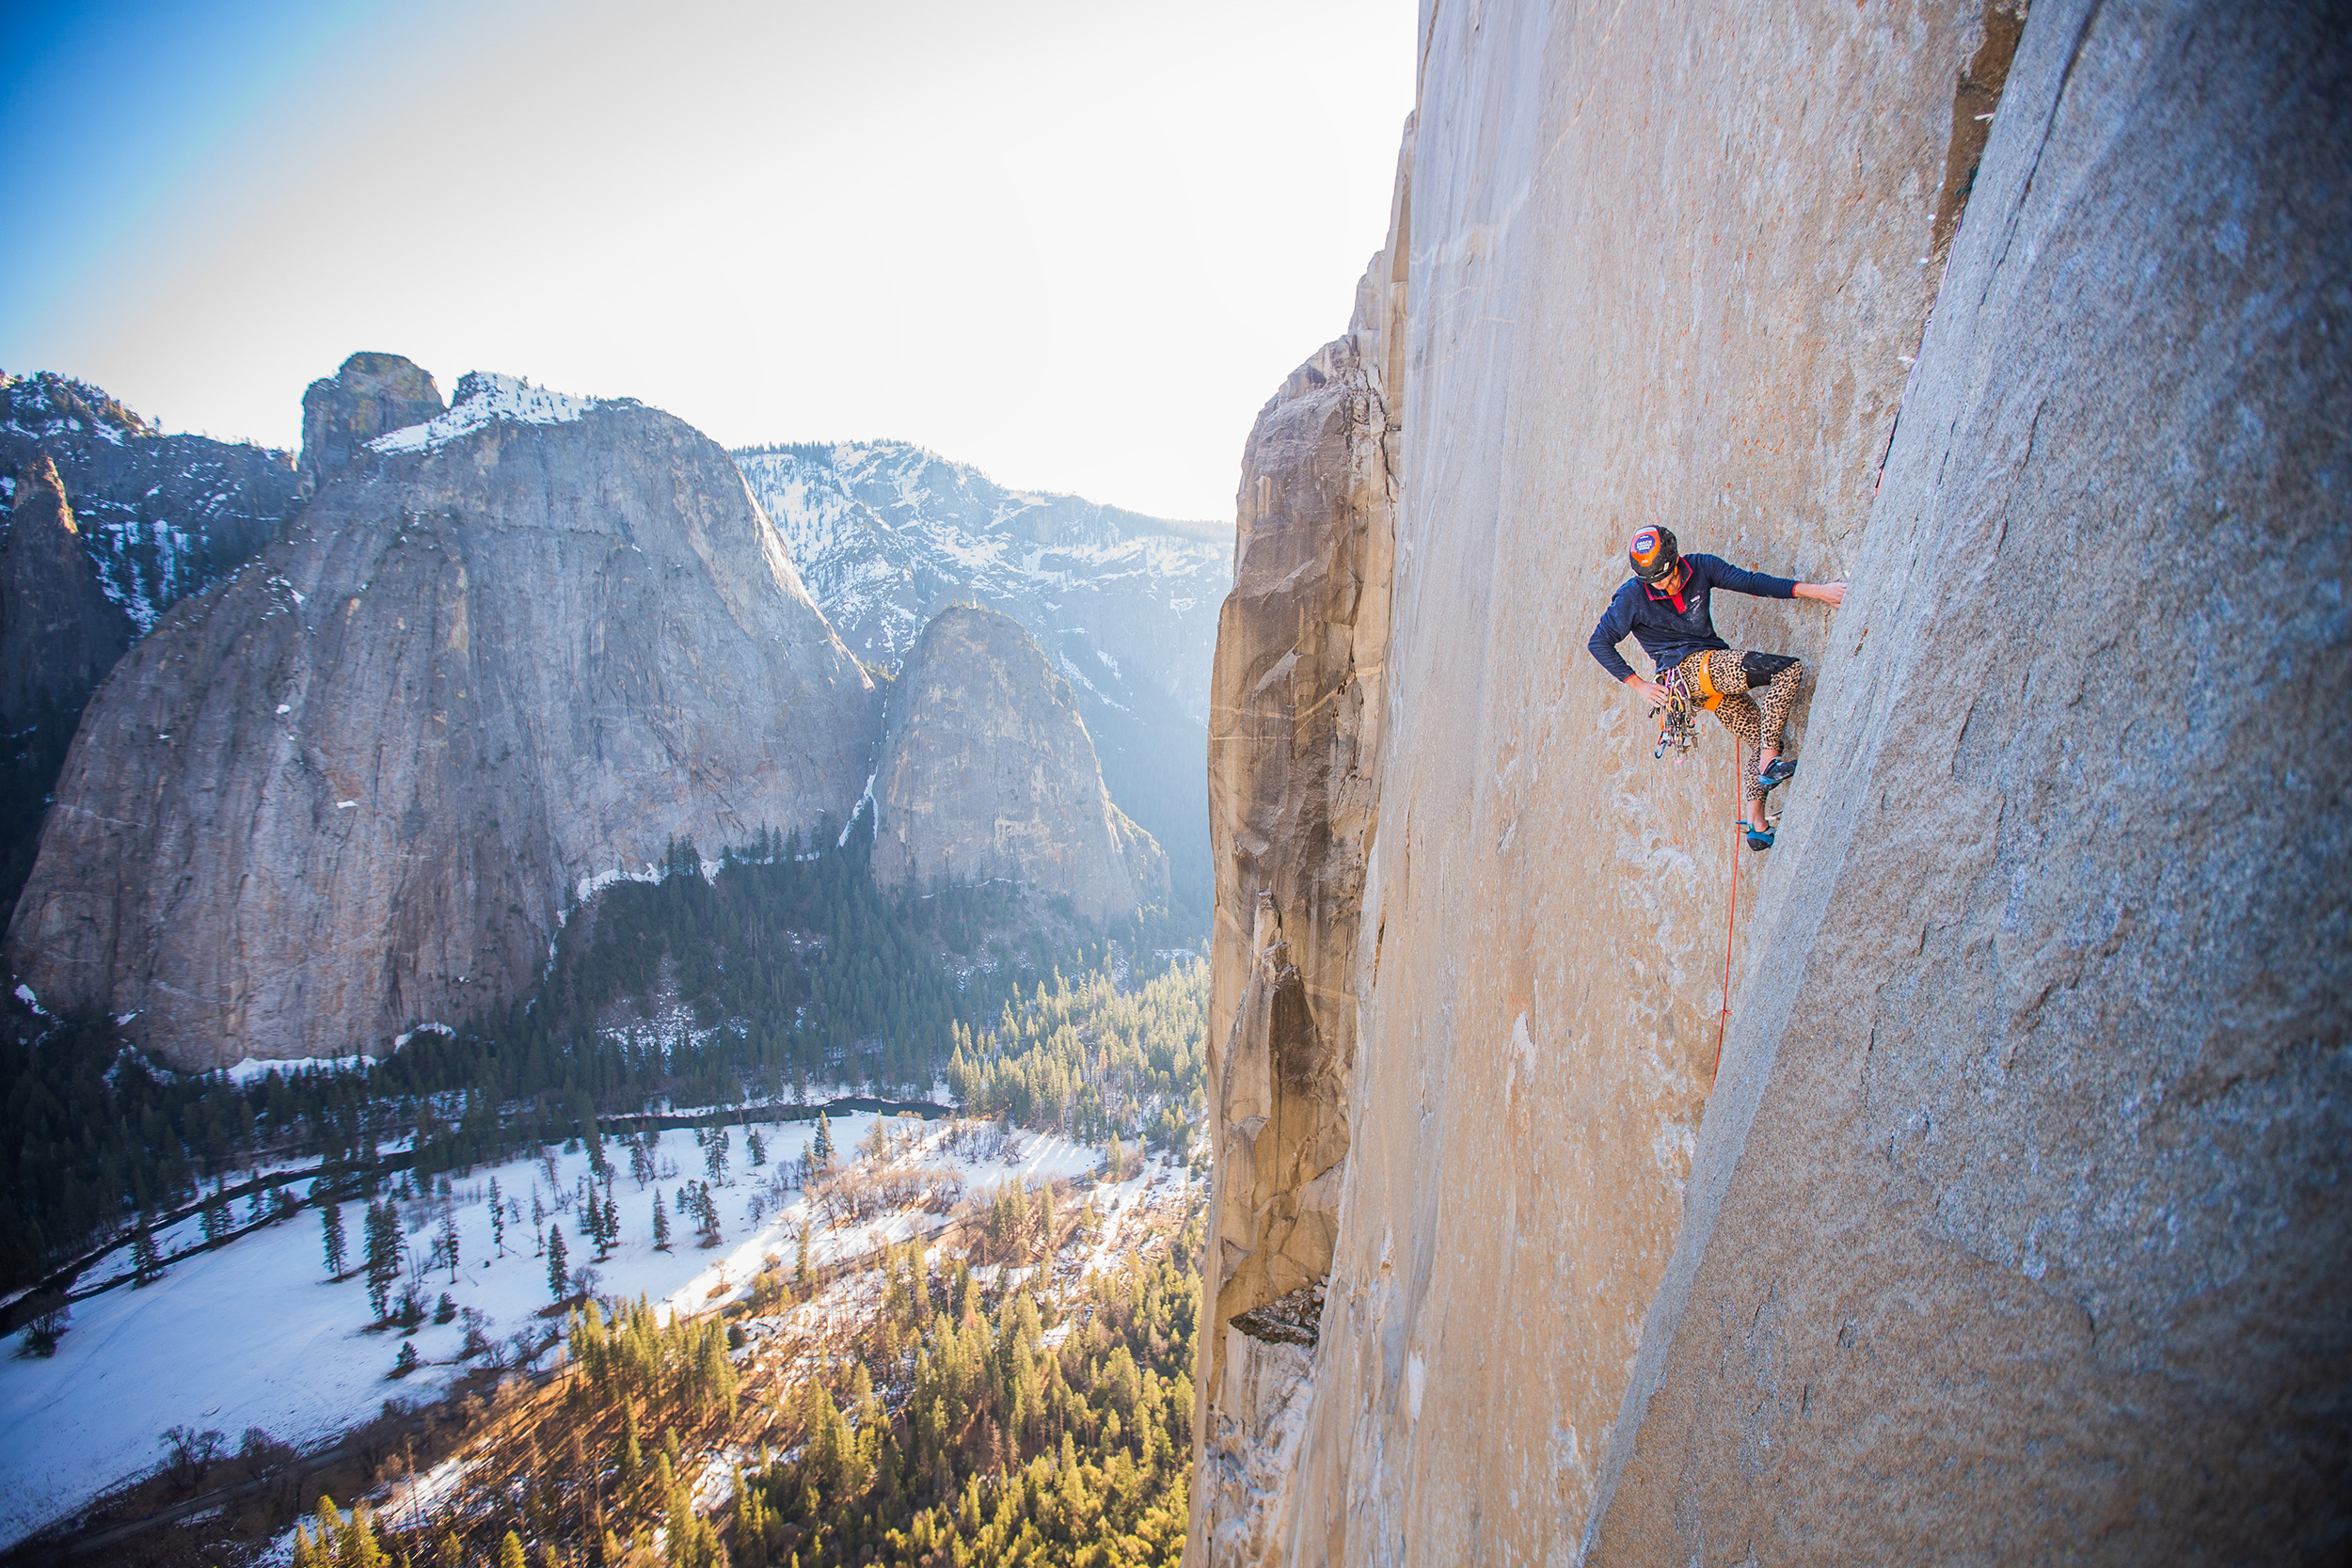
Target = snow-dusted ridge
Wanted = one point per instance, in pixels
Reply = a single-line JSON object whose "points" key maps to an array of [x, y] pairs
{"points": [[885, 532], [49, 406], [482, 397], [160, 516]]}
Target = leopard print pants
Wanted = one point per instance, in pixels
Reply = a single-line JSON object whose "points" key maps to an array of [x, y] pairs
{"points": [[1734, 675]]}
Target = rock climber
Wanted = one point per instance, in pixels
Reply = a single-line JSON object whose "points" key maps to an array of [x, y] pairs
{"points": [[1665, 606]]}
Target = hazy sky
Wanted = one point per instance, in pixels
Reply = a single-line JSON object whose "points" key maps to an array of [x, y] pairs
{"points": [[1076, 244]]}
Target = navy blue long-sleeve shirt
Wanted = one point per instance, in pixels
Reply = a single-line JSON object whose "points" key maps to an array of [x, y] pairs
{"points": [[1670, 635]]}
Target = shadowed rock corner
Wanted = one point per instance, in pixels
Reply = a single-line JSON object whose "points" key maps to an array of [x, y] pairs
{"points": [[1293, 727]]}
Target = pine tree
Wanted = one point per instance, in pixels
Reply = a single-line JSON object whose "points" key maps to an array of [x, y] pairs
{"points": [[498, 1218], [147, 1264], [326, 1528], [511, 1552], [821, 1157], [751, 1521], [661, 1224], [383, 1255], [332, 1221], [629, 1456], [558, 1281], [449, 1244]]}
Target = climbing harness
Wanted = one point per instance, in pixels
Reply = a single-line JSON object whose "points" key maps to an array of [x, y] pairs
{"points": [[1704, 692], [1677, 723]]}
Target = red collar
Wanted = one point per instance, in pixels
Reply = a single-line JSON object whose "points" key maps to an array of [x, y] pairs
{"points": [[1680, 609]]}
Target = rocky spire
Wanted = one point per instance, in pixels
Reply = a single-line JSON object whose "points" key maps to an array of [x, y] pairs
{"points": [[372, 394]]}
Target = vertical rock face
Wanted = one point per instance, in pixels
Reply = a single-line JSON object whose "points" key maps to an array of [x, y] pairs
{"points": [[1293, 729], [2005, 1233], [2019, 1225], [500, 656], [58, 633], [987, 772], [372, 395]]}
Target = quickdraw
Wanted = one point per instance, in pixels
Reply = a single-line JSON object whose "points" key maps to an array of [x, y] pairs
{"points": [[1677, 725]]}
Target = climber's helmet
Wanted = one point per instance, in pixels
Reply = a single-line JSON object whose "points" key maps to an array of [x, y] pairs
{"points": [[1653, 553]]}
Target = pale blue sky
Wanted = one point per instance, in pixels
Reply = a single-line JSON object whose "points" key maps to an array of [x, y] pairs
{"points": [[1076, 241]]}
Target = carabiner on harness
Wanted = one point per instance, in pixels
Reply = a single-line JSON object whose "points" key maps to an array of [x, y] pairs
{"points": [[1678, 726]]}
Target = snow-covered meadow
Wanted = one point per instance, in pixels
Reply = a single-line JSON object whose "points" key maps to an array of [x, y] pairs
{"points": [[254, 1335]]}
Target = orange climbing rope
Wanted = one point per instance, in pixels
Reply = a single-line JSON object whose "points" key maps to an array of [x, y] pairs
{"points": [[1731, 909]]}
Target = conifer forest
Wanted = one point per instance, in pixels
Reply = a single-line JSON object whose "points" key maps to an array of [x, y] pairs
{"points": [[936, 1366], [786, 974]]}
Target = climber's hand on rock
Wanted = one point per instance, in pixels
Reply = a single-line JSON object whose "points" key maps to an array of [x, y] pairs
{"points": [[1828, 593], [1651, 691]]}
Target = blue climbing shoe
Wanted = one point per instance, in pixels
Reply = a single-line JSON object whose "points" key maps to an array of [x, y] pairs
{"points": [[1758, 838], [1780, 772]]}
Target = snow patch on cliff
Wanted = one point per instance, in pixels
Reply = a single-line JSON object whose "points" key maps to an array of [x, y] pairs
{"points": [[254, 1068], [483, 396]]}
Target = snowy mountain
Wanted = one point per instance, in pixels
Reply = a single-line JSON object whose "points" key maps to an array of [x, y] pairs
{"points": [[109, 522], [885, 534], [161, 517]]}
